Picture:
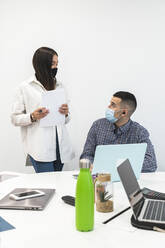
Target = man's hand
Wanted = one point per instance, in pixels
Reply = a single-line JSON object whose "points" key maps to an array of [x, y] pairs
{"points": [[91, 168]]}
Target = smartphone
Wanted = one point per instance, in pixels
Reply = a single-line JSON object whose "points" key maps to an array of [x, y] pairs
{"points": [[26, 195]]}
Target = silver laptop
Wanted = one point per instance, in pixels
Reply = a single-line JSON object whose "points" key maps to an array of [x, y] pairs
{"points": [[144, 209], [37, 203]]}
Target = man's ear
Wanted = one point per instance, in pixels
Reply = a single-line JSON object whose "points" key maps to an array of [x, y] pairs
{"points": [[125, 112]]}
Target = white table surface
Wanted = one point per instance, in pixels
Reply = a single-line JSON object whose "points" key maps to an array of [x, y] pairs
{"points": [[55, 225]]}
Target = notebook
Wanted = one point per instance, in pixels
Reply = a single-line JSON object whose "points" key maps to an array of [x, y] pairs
{"points": [[37, 203], [108, 157], [146, 210]]}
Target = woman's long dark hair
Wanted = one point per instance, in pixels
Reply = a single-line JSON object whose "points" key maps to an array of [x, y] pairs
{"points": [[42, 62]]}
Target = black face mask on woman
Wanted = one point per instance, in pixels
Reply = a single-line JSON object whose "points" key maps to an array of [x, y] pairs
{"points": [[54, 72]]}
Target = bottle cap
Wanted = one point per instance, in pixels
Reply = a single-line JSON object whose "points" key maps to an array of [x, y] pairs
{"points": [[104, 177], [85, 164]]}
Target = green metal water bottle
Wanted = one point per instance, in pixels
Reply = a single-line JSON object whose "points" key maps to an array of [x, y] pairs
{"points": [[84, 198]]}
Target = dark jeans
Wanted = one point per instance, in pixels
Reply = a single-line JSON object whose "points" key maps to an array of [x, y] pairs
{"points": [[48, 166]]}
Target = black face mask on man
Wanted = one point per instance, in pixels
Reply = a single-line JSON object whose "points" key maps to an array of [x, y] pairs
{"points": [[54, 72]]}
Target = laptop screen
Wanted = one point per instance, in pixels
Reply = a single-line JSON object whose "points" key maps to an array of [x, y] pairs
{"points": [[130, 185]]}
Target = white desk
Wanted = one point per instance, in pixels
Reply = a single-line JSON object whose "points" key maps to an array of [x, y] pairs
{"points": [[55, 226]]}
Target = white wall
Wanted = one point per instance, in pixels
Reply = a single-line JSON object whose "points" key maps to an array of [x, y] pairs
{"points": [[103, 45]]}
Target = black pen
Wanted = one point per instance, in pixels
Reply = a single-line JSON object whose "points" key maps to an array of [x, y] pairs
{"points": [[113, 217]]}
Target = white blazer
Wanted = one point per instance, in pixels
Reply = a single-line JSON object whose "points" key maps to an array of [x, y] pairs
{"points": [[38, 142]]}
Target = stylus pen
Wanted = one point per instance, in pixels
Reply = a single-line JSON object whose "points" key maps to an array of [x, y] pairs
{"points": [[155, 228], [113, 217]]}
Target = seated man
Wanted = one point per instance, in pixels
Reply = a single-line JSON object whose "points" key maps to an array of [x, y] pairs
{"points": [[118, 128]]}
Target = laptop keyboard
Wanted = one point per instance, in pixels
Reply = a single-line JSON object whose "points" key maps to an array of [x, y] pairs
{"points": [[155, 210]]}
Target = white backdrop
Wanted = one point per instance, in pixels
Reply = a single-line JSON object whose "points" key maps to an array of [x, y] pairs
{"points": [[104, 46]]}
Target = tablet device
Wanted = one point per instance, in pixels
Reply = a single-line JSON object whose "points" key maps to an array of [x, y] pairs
{"points": [[108, 157]]}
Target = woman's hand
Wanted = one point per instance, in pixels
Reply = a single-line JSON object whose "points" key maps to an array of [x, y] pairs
{"points": [[39, 113], [64, 109]]}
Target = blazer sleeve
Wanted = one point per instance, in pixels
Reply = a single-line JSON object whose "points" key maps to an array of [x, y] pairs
{"points": [[19, 117]]}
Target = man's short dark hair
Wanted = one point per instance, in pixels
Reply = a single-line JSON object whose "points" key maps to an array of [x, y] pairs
{"points": [[127, 99]]}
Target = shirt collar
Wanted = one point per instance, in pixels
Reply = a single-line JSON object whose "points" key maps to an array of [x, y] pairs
{"points": [[37, 82], [34, 79], [122, 129]]}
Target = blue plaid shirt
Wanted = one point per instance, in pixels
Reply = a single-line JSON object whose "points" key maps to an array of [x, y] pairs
{"points": [[103, 132]]}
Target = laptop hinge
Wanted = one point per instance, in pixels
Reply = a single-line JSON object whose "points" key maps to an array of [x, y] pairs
{"points": [[138, 206]]}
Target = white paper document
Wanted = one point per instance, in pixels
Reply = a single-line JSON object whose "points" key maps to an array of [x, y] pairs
{"points": [[52, 100]]}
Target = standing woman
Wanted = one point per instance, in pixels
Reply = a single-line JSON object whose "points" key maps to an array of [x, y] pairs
{"points": [[49, 148]]}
